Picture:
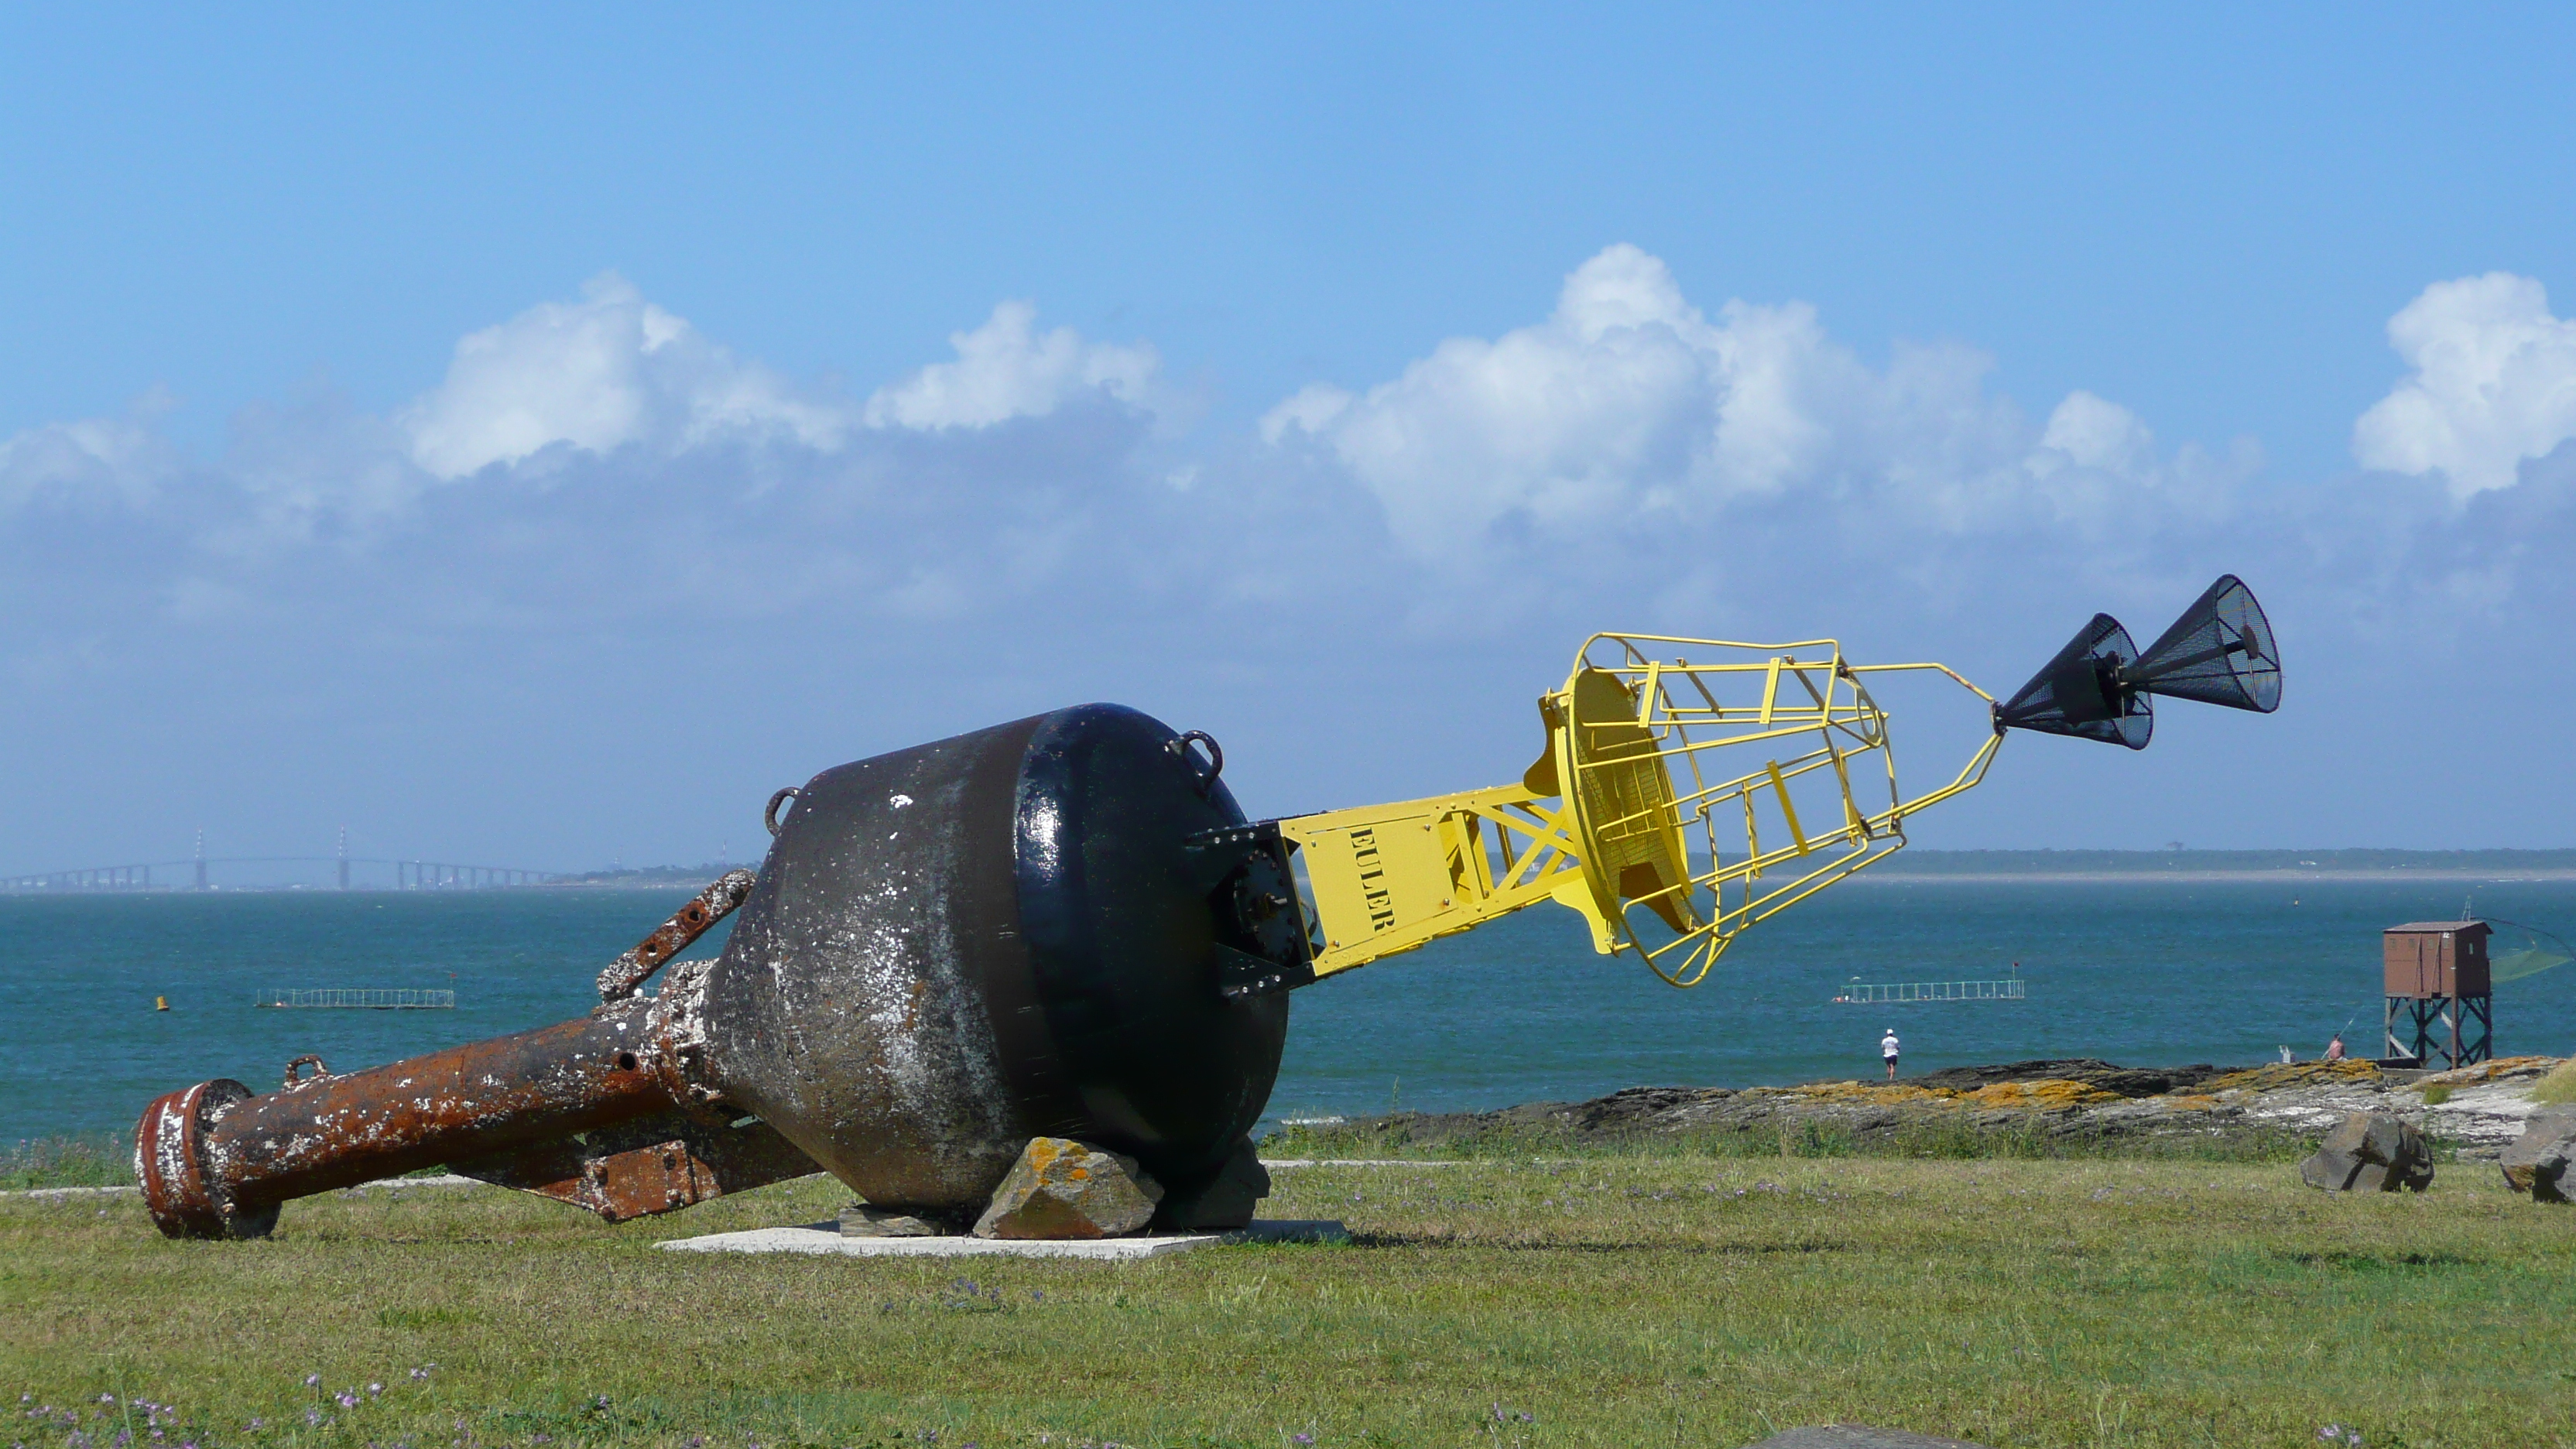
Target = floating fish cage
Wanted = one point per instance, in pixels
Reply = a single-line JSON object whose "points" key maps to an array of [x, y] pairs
{"points": [[364, 999], [1865, 993]]}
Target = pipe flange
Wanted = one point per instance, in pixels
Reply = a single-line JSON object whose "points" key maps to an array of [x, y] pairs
{"points": [[170, 1163], [676, 1024]]}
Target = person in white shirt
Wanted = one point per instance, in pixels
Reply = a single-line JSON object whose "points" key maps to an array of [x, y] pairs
{"points": [[1887, 1049]]}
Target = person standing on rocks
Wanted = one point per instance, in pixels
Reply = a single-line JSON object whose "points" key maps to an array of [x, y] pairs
{"points": [[2334, 1049], [1887, 1049]]}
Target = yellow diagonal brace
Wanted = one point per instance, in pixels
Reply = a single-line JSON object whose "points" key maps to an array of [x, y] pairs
{"points": [[1781, 788]]}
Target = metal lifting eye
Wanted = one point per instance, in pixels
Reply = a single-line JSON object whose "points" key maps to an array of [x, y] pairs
{"points": [[769, 814], [1204, 775]]}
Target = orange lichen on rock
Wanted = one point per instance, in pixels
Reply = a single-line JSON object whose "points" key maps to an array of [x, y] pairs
{"points": [[2292, 1074], [1061, 1188], [2502, 1069], [1877, 1094], [2046, 1094]]}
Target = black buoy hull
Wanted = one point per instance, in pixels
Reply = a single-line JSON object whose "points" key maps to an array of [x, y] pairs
{"points": [[957, 947]]}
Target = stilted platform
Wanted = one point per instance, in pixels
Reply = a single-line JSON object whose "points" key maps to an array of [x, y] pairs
{"points": [[827, 1238]]}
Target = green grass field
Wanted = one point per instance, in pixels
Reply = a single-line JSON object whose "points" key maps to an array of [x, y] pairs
{"points": [[92, 1161], [1601, 1301]]}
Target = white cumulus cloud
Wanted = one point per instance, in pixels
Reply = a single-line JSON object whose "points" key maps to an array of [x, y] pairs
{"points": [[88, 461], [1006, 369], [2494, 383], [608, 370], [1628, 403], [614, 369]]}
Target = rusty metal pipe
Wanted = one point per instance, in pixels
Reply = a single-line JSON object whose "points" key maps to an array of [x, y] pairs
{"points": [[215, 1160], [674, 936]]}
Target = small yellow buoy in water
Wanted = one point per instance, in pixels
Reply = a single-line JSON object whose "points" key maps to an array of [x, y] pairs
{"points": [[160, 1003]]}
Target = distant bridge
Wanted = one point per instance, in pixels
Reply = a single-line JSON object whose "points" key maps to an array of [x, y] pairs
{"points": [[192, 874]]}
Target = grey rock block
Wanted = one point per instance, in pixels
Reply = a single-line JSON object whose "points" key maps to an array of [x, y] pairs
{"points": [[1061, 1188], [1856, 1436], [859, 1220], [2537, 1161], [2370, 1152]]}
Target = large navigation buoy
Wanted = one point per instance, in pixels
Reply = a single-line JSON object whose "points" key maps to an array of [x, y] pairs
{"points": [[1064, 927], [1010, 934]]}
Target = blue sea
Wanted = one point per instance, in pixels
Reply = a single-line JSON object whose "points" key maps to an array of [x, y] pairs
{"points": [[2149, 972]]}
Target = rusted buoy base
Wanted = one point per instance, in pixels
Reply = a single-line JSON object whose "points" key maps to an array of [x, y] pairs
{"points": [[170, 1163]]}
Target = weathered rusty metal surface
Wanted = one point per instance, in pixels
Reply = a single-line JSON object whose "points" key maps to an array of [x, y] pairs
{"points": [[673, 936], [651, 1165], [243, 1156], [851, 1007], [170, 1165]]}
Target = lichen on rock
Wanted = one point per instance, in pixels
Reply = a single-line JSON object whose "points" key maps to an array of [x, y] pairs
{"points": [[1060, 1188]]}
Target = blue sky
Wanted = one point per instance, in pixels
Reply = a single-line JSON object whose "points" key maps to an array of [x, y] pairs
{"points": [[388, 401]]}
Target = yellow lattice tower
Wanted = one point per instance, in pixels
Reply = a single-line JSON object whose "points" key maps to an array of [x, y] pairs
{"points": [[1661, 843], [1665, 808]]}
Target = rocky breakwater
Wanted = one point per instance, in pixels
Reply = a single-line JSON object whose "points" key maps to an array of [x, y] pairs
{"points": [[2476, 1110]]}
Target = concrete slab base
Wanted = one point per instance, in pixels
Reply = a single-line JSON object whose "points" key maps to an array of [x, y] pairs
{"points": [[826, 1238]]}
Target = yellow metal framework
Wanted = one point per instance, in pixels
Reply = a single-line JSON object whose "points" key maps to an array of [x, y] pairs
{"points": [[1644, 845]]}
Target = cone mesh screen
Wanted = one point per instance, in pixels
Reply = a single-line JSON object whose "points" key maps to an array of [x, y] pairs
{"points": [[2079, 692], [2219, 652]]}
